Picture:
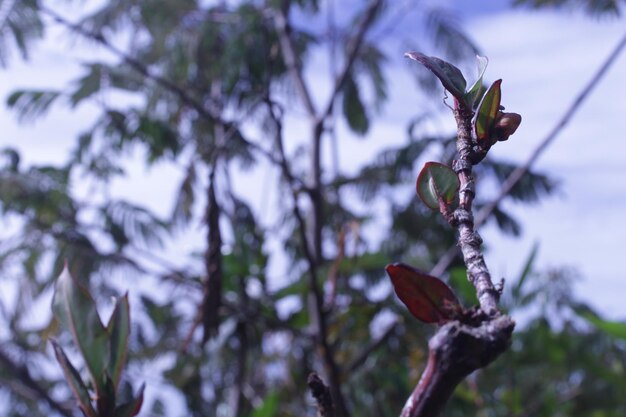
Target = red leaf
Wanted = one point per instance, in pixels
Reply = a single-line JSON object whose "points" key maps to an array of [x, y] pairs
{"points": [[428, 298]]}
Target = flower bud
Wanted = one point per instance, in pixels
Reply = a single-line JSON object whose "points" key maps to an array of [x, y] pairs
{"points": [[506, 124]]}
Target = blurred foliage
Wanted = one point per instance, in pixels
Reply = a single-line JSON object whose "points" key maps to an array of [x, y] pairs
{"points": [[205, 88], [597, 8]]}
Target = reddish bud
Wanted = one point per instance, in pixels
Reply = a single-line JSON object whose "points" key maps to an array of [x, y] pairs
{"points": [[506, 124]]}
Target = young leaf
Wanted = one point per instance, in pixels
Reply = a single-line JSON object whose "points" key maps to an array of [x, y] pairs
{"points": [[428, 298], [472, 93], [449, 75], [131, 408], [437, 181], [614, 329], [506, 124], [73, 379], [75, 310], [105, 401], [487, 112], [118, 329]]}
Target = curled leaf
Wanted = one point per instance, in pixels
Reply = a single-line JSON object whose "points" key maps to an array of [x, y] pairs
{"points": [[437, 182], [428, 298], [449, 75]]}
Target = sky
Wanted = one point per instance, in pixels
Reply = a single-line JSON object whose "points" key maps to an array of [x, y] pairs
{"points": [[544, 59]]}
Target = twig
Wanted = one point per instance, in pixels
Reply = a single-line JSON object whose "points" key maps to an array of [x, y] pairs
{"points": [[520, 171], [322, 396], [352, 50], [316, 298], [312, 238], [469, 239], [360, 360], [291, 60]]}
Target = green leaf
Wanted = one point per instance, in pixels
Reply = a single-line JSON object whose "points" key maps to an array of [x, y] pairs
{"points": [[89, 84], [487, 112], [31, 105], [75, 310], [353, 108], [75, 382], [132, 407], [118, 329], [614, 329], [428, 298], [526, 271], [437, 181], [472, 94], [449, 75], [269, 407], [457, 277]]}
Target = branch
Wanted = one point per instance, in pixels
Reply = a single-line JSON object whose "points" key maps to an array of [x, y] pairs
{"points": [[316, 299], [352, 50], [480, 335], [322, 396], [212, 294], [291, 60], [520, 171], [469, 239], [21, 373], [454, 352], [360, 360]]}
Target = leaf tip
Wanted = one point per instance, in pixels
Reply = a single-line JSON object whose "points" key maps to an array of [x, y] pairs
{"points": [[412, 55]]}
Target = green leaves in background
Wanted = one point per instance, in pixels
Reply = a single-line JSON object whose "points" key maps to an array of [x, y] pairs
{"points": [[353, 109], [614, 329], [31, 104], [269, 406], [437, 182]]}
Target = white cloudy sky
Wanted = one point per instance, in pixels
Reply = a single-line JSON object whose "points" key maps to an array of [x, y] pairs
{"points": [[544, 59]]}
